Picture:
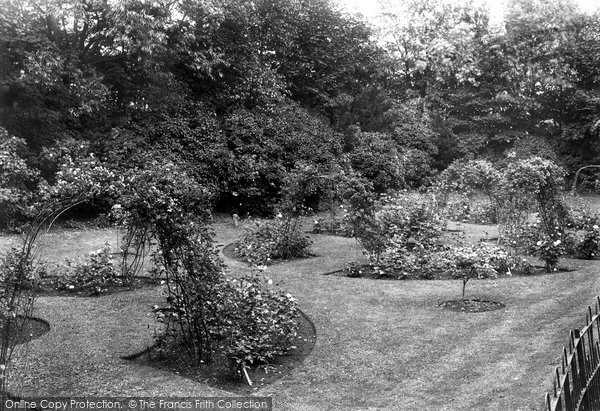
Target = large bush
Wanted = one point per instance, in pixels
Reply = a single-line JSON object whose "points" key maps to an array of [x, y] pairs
{"points": [[18, 181], [311, 188], [266, 144], [90, 275], [257, 323], [241, 320], [376, 157], [401, 221], [281, 238]]}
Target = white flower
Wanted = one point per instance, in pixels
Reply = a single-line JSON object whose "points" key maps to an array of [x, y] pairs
{"points": [[557, 242], [279, 215], [595, 227], [270, 281], [539, 243]]}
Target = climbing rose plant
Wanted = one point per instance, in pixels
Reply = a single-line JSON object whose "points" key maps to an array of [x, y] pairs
{"points": [[208, 315]]}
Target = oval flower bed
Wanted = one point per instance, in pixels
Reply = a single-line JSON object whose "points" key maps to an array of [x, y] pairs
{"points": [[471, 305], [232, 251], [218, 374]]}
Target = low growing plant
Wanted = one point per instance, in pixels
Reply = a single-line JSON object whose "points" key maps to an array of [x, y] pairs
{"points": [[90, 275]]}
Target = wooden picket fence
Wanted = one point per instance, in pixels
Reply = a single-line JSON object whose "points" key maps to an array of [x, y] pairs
{"points": [[577, 380]]}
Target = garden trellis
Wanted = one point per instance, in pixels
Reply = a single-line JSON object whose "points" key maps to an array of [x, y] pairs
{"points": [[577, 380]]}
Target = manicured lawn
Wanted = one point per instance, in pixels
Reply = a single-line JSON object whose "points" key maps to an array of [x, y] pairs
{"points": [[380, 344]]}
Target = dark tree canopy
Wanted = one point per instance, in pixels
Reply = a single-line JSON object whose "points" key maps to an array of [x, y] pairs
{"points": [[239, 92]]}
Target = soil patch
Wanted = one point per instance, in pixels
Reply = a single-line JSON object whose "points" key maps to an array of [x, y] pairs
{"points": [[472, 305], [218, 374], [229, 252], [28, 330]]}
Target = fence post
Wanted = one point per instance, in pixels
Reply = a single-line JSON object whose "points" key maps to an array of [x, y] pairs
{"points": [[577, 387], [581, 363]]}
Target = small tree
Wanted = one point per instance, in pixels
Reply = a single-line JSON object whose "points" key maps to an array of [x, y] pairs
{"points": [[477, 261]]}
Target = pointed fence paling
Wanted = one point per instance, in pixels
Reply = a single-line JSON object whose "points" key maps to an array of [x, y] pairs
{"points": [[577, 380]]}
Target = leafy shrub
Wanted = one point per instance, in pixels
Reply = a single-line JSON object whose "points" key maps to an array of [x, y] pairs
{"points": [[589, 247], [207, 314], [398, 262], [583, 219], [18, 181], [533, 239], [90, 275], [467, 261], [262, 322], [583, 227], [412, 219], [550, 248], [80, 179], [417, 168], [161, 203], [263, 145], [376, 157], [402, 221], [470, 177], [277, 239]]}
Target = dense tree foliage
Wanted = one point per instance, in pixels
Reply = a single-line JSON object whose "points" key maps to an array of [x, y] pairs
{"points": [[240, 94]]}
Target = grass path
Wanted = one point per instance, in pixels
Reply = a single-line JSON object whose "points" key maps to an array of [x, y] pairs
{"points": [[380, 344], [81, 355]]}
